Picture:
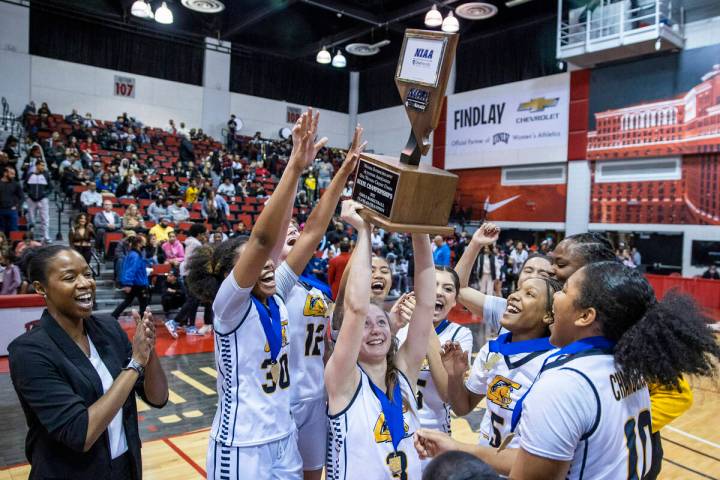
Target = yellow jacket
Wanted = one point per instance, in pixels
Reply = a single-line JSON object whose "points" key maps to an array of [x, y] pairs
{"points": [[668, 403]]}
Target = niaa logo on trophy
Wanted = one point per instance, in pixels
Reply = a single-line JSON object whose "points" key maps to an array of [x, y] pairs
{"points": [[423, 56]]}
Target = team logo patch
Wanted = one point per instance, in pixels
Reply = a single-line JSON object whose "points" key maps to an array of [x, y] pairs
{"points": [[315, 306], [499, 391], [381, 430], [283, 324]]}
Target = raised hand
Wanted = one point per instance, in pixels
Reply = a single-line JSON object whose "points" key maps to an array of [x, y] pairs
{"points": [[353, 154], [454, 359], [487, 234], [144, 339], [431, 443], [349, 214], [305, 148], [401, 312]]}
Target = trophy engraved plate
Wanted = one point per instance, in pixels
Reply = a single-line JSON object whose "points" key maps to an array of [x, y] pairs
{"points": [[399, 193]]}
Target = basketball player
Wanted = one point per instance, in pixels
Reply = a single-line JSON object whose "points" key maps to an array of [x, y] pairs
{"points": [[308, 310], [503, 371], [369, 381], [253, 433], [488, 307], [433, 409]]}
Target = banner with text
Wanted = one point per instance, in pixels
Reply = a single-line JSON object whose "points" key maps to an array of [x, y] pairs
{"points": [[513, 124]]}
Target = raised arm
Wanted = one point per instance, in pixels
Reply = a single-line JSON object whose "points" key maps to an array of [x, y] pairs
{"points": [[412, 353], [322, 213], [268, 228], [341, 375], [310, 154], [470, 298]]}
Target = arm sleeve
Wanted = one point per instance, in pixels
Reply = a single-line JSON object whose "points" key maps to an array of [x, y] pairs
{"points": [[39, 384], [561, 407], [231, 305], [477, 381], [668, 403], [493, 310], [285, 279]]}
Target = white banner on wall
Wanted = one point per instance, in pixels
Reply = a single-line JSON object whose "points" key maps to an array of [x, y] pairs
{"points": [[513, 124]]}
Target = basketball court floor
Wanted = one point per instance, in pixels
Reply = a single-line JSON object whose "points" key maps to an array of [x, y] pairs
{"points": [[175, 438]]}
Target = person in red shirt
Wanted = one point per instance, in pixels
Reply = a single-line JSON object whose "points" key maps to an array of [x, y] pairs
{"points": [[336, 267]]}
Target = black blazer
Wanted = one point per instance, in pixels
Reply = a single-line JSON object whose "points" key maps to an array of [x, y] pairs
{"points": [[56, 383]]}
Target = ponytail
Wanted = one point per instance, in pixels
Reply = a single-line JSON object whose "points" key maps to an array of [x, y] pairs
{"points": [[209, 265], [670, 340], [658, 340]]}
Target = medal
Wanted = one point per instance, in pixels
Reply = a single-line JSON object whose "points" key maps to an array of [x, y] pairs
{"points": [[394, 462], [491, 361], [275, 371], [506, 441]]}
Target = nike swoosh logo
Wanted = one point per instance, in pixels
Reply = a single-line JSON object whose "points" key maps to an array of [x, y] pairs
{"points": [[491, 207]]}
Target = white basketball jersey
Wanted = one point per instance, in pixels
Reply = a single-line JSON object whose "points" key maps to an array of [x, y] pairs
{"points": [[359, 443], [308, 311], [252, 408], [502, 379], [583, 409], [433, 412]]}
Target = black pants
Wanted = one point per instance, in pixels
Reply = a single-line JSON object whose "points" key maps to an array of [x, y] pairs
{"points": [[86, 252], [120, 468], [171, 301], [188, 312], [135, 291]]}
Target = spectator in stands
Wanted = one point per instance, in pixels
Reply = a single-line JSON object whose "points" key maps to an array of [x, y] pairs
{"points": [[35, 155], [711, 273], [44, 111], [91, 197], [152, 250], [73, 117], [132, 220], [232, 128], [162, 229], [105, 184], [517, 258], [173, 296], [127, 186], [218, 236], [27, 111], [636, 257], [171, 127], [11, 200], [240, 230], [88, 121], [134, 277], [158, 209], [89, 147], [174, 250], [227, 188], [486, 270], [325, 171], [105, 221], [441, 252], [4, 242], [12, 149], [336, 267], [81, 236], [37, 188], [215, 210], [174, 190], [10, 276], [192, 192], [178, 212], [28, 241]]}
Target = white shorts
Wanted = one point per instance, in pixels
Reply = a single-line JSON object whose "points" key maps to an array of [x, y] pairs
{"points": [[278, 460], [311, 421]]}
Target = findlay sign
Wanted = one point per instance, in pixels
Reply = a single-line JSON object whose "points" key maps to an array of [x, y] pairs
{"points": [[513, 124]]}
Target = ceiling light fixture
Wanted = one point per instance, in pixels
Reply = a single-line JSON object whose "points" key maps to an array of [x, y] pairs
{"points": [[139, 9], [339, 60], [164, 15], [323, 56], [433, 18], [450, 24]]}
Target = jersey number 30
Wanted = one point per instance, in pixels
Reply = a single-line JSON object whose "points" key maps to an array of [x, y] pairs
{"points": [[283, 381]]}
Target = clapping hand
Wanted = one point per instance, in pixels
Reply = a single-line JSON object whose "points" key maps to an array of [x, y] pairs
{"points": [[144, 339], [454, 359]]}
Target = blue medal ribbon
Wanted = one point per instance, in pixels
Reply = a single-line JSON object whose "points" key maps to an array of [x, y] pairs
{"points": [[505, 346], [317, 283], [574, 348], [442, 326], [393, 412], [271, 324]]}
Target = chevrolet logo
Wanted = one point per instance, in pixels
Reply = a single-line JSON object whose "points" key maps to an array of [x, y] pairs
{"points": [[538, 104]]}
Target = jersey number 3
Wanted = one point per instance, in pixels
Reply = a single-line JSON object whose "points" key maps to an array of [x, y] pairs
{"points": [[283, 381]]}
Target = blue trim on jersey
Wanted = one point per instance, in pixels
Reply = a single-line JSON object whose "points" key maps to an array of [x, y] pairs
{"points": [[513, 365], [238, 325], [584, 460], [345, 447], [442, 326], [563, 360], [344, 410], [237, 390], [587, 434], [457, 330]]}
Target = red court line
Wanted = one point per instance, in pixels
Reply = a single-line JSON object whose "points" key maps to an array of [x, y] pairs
{"points": [[189, 460]]}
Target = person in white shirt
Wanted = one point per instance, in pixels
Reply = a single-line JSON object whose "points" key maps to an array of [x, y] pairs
{"points": [[517, 258], [178, 212], [91, 197], [227, 188], [253, 434]]}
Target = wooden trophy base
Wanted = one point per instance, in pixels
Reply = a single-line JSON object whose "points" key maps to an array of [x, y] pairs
{"points": [[404, 198]]}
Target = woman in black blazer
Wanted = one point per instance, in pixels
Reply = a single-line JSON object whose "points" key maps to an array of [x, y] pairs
{"points": [[76, 376]]}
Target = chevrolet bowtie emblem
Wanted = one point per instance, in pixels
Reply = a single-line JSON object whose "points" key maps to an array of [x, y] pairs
{"points": [[538, 104]]}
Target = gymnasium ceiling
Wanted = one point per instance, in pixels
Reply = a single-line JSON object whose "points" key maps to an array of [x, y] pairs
{"points": [[298, 28]]}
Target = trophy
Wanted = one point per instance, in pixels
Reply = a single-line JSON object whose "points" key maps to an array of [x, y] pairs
{"points": [[400, 194]]}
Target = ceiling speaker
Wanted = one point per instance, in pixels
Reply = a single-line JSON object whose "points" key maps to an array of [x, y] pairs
{"points": [[204, 6]]}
